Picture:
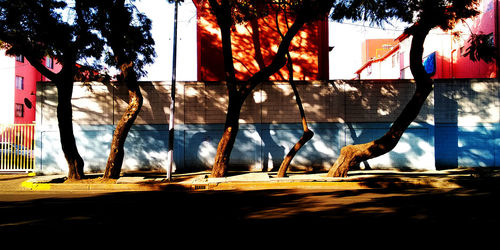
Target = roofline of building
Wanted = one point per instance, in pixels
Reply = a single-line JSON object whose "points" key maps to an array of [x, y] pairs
{"points": [[399, 39], [369, 62]]}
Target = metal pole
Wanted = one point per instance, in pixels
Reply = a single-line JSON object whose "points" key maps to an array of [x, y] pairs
{"points": [[497, 39], [171, 126]]}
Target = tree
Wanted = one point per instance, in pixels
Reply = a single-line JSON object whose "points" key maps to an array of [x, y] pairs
{"points": [[229, 12], [307, 134], [34, 29], [430, 14], [127, 32]]}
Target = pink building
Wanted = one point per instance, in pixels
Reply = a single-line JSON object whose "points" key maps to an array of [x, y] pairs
{"points": [[18, 88], [444, 52]]}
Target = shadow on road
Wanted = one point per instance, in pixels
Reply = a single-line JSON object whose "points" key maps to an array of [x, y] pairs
{"points": [[253, 214]]}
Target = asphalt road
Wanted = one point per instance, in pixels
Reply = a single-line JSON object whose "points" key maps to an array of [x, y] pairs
{"points": [[211, 217]]}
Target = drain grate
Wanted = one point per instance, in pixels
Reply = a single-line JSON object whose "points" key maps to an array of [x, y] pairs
{"points": [[200, 187]]}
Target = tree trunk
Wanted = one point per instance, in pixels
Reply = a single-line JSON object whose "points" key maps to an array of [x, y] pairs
{"points": [[306, 135], [228, 138], [237, 95], [352, 155], [116, 154], [64, 84], [65, 123], [222, 13]]}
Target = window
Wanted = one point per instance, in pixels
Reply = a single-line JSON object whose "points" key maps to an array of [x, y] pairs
{"points": [[49, 63], [19, 82], [19, 110], [20, 58]]}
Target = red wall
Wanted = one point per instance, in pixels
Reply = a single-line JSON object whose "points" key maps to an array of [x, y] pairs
{"points": [[457, 65], [254, 45], [31, 77]]}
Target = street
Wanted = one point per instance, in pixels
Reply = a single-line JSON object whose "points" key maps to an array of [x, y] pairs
{"points": [[300, 214]]}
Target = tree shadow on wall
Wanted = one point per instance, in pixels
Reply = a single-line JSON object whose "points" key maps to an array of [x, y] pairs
{"points": [[272, 153], [370, 108], [466, 114]]}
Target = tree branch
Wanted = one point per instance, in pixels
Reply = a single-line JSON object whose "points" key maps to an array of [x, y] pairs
{"points": [[222, 13], [38, 65], [279, 59]]}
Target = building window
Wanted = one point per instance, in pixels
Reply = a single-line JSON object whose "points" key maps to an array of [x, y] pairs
{"points": [[49, 63], [20, 58], [19, 82], [19, 110]]}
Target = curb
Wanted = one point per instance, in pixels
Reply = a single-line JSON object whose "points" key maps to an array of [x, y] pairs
{"points": [[219, 186], [368, 183], [373, 179], [251, 181], [56, 183], [271, 185], [91, 187]]}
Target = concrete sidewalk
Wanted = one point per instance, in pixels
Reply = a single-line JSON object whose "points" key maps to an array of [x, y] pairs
{"points": [[373, 179]]}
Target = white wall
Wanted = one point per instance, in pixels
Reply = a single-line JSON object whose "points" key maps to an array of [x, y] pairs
{"points": [[7, 86]]}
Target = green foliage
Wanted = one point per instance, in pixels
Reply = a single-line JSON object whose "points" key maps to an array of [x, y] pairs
{"points": [[245, 10], [431, 13], [127, 32], [373, 11], [445, 13], [36, 28]]}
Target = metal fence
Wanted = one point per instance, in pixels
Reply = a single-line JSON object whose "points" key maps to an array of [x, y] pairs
{"points": [[17, 147]]}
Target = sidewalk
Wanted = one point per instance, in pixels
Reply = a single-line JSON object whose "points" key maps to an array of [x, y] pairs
{"points": [[373, 179]]}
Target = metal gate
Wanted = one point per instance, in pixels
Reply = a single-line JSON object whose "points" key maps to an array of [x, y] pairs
{"points": [[17, 147]]}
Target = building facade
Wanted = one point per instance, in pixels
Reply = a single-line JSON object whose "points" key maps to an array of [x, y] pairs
{"points": [[256, 42], [444, 52], [375, 48], [18, 80]]}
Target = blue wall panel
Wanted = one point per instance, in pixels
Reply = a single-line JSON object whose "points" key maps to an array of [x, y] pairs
{"points": [[414, 150], [263, 146], [467, 146], [476, 146], [319, 153]]}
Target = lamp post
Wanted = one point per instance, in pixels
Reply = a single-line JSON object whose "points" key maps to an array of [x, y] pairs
{"points": [[171, 124], [497, 38]]}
